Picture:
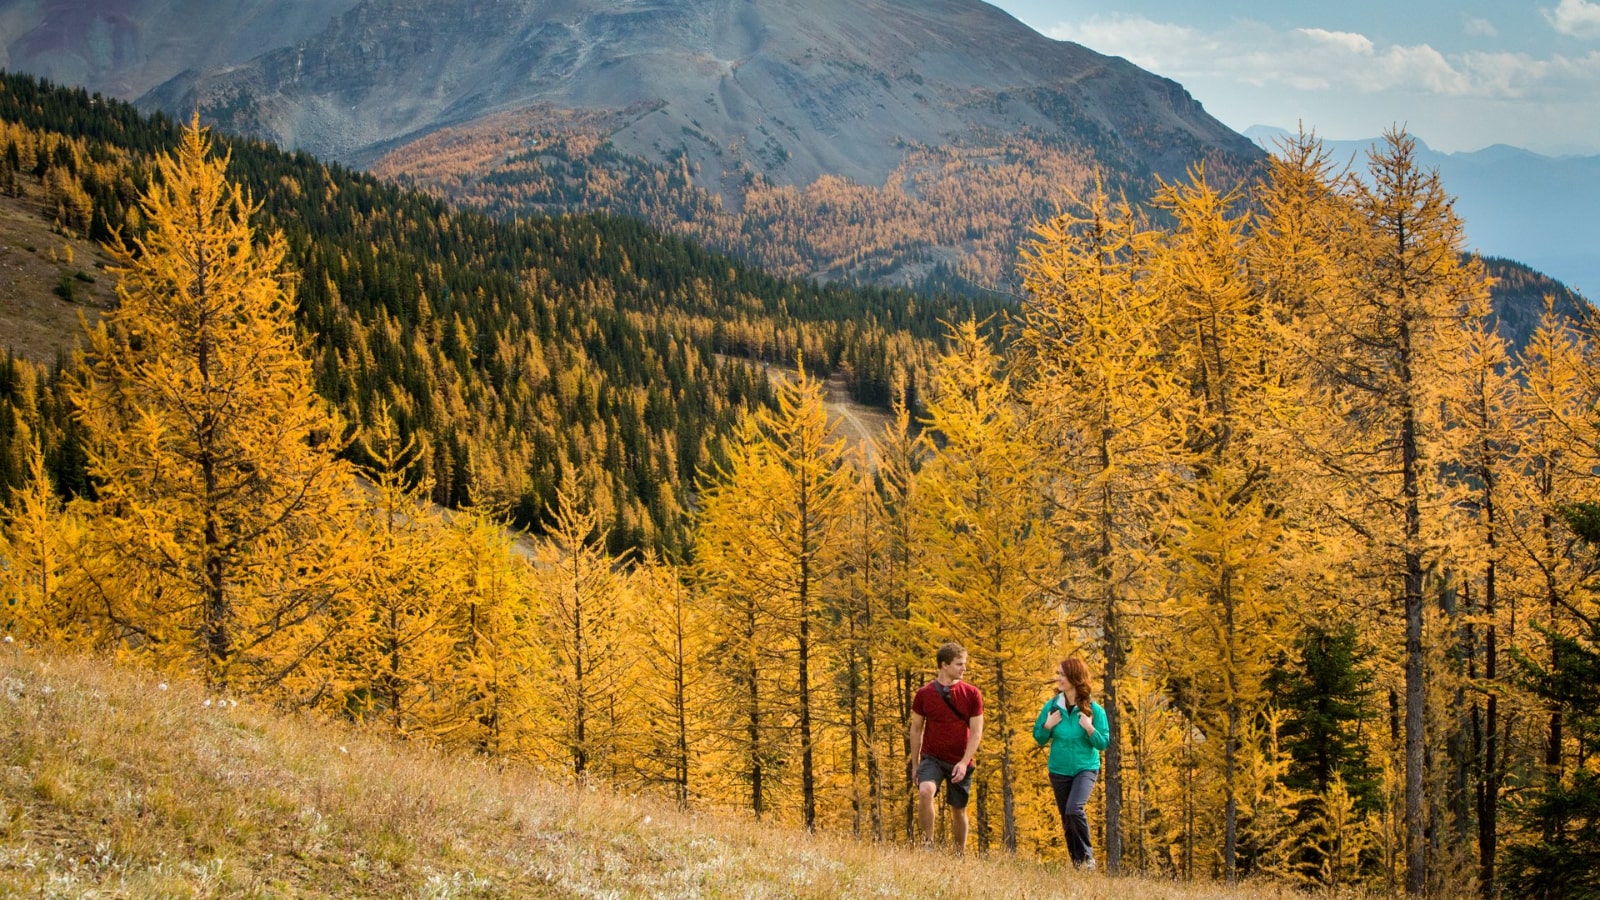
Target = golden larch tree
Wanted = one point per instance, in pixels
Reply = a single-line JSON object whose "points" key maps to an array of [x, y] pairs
{"points": [[992, 563], [494, 680], [1227, 548], [1385, 342], [394, 644], [1091, 364], [582, 602], [669, 675], [1558, 454], [770, 529], [744, 636], [1484, 440], [220, 495], [41, 563], [904, 627]]}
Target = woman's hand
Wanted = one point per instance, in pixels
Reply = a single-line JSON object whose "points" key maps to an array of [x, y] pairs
{"points": [[1086, 723], [1053, 719]]}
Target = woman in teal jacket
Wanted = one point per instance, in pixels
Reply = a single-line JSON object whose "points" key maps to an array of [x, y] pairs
{"points": [[1075, 727]]}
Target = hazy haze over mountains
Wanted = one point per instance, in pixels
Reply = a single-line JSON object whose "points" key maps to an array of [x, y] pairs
{"points": [[1518, 204], [123, 48]]}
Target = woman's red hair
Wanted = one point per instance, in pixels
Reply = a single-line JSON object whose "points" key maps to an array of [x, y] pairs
{"points": [[1077, 672]]}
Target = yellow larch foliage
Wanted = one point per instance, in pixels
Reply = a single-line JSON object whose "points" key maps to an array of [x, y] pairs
{"points": [[42, 576], [583, 617], [394, 649], [991, 562], [222, 505], [1092, 363]]}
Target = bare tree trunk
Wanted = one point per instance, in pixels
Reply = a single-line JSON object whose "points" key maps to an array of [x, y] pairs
{"points": [[808, 775], [753, 719], [1491, 775], [874, 763], [1113, 755], [980, 787], [1230, 840], [853, 701], [1008, 800], [680, 704]]}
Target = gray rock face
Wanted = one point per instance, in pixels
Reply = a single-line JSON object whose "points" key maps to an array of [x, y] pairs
{"points": [[123, 48], [793, 88]]}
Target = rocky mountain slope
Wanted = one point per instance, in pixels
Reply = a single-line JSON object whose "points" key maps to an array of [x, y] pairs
{"points": [[796, 88], [730, 93], [123, 48]]}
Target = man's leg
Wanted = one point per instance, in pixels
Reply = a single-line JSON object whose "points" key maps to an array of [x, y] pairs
{"points": [[925, 792], [957, 796], [930, 772], [958, 828]]}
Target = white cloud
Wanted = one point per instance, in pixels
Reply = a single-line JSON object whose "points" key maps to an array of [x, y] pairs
{"points": [[1578, 18], [1147, 44], [1246, 72], [1340, 40], [1314, 59], [1479, 27]]}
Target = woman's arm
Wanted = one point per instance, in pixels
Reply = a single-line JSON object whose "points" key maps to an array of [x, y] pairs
{"points": [[1101, 739], [1042, 726]]}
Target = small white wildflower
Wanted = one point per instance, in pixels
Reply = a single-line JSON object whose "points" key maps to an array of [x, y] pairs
{"points": [[343, 750], [647, 820], [9, 640], [232, 702], [162, 686], [208, 701]]}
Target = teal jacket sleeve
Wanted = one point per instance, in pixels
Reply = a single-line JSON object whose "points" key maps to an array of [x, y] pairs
{"points": [[1041, 734], [1101, 739]]}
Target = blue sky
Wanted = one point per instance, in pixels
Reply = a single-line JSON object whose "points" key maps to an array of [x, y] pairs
{"points": [[1459, 74]]}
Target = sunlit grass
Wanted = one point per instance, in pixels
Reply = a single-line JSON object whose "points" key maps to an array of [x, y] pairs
{"points": [[113, 782]]}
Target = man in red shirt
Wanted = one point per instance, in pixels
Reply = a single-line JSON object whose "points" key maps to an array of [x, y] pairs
{"points": [[946, 725]]}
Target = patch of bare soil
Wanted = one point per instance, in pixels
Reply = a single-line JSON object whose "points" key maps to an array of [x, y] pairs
{"points": [[859, 426], [39, 270]]}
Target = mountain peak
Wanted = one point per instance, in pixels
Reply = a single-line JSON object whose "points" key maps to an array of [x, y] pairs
{"points": [[793, 89]]}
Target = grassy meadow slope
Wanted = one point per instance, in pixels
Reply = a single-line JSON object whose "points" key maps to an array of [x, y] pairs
{"points": [[115, 783]]}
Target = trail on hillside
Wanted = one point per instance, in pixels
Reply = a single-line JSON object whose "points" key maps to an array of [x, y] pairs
{"points": [[857, 424]]}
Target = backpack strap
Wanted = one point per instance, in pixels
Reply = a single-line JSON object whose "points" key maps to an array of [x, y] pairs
{"points": [[944, 694]]}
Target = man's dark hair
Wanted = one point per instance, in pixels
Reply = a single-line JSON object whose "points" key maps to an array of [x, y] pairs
{"points": [[949, 653]]}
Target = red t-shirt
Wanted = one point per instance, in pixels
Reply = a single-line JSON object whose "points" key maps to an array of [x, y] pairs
{"points": [[944, 734]]}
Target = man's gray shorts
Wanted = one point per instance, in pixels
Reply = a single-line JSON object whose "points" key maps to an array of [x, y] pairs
{"points": [[937, 770]]}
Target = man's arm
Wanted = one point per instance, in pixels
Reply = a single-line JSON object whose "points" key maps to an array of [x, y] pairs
{"points": [[974, 735], [914, 741]]}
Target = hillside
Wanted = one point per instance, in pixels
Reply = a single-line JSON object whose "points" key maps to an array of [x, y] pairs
{"points": [[513, 350], [46, 279], [115, 781], [1519, 294]]}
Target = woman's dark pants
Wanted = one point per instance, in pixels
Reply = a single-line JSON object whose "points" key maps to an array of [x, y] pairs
{"points": [[1071, 792]]}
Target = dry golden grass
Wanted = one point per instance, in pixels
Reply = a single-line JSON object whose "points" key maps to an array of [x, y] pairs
{"points": [[115, 784]]}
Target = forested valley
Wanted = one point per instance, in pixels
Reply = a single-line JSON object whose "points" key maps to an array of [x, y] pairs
{"points": [[513, 351], [1260, 455]]}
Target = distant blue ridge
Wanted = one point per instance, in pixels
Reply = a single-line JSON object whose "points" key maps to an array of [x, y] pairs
{"points": [[1518, 204]]}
